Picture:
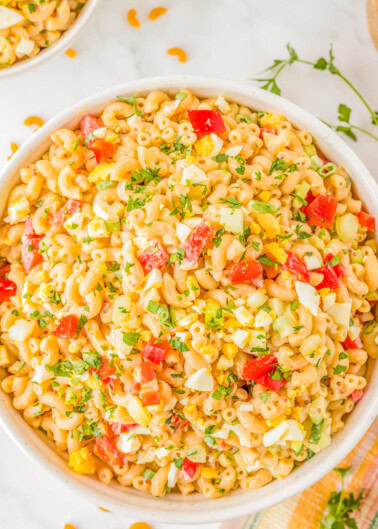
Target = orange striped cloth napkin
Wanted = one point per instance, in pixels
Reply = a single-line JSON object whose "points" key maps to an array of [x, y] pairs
{"points": [[304, 510]]}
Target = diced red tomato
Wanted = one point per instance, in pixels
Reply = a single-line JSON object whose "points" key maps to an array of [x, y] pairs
{"points": [[147, 372], [296, 266], [189, 469], [247, 271], [206, 121], [155, 350], [330, 279], [372, 303], [5, 270], [270, 131], [30, 254], [29, 230], [270, 383], [105, 306], [352, 344], [109, 452], [366, 221], [309, 199], [155, 257], [101, 149], [357, 395], [118, 428], [197, 241], [259, 367], [149, 393], [60, 217], [339, 268], [322, 210], [89, 124], [7, 289], [66, 327]]}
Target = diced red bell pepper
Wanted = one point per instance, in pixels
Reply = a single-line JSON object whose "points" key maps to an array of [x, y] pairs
{"points": [[206, 121], [330, 279], [154, 257], [259, 367], [30, 254], [247, 271], [189, 469], [8, 289], [5, 270], [309, 199], [147, 372], [322, 210], [366, 221], [89, 124], [197, 241], [106, 371], [101, 149], [177, 423], [155, 350], [109, 452], [29, 230], [60, 217], [339, 268], [348, 343], [149, 393], [118, 428], [66, 327], [296, 266], [357, 395], [269, 382], [270, 131]]}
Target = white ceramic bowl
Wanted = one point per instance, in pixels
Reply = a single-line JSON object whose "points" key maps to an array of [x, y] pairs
{"points": [[196, 509], [62, 44]]}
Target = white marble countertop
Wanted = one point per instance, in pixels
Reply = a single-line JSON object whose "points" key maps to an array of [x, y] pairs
{"points": [[225, 38]]}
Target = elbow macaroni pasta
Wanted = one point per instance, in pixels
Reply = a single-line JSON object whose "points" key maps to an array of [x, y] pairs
{"points": [[143, 363], [30, 26]]}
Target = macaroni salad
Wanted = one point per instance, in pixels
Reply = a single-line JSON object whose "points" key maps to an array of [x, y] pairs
{"points": [[29, 26], [188, 295]]}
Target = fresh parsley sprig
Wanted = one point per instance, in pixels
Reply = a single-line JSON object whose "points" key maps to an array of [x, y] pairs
{"points": [[338, 510], [279, 65]]}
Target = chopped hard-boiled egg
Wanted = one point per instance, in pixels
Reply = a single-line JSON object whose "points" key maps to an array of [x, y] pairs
{"points": [[257, 339], [274, 435], [24, 47], [110, 213], [173, 473], [328, 300], [255, 300], [9, 17], [201, 380], [97, 229], [243, 316], [243, 434], [193, 175], [154, 279], [101, 172], [308, 296], [232, 219], [222, 104], [263, 319], [279, 253], [234, 150], [240, 338], [21, 330], [74, 222], [18, 210], [82, 461], [100, 133], [312, 262], [209, 145], [182, 231], [128, 442], [340, 313]]}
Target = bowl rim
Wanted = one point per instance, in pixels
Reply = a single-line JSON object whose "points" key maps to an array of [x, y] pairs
{"points": [[67, 38], [240, 503]]}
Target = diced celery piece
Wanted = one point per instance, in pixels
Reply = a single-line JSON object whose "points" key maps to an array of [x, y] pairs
{"points": [[317, 410], [176, 315], [301, 192], [283, 326], [356, 257], [213, 315], [310, 150], [232, 219]]}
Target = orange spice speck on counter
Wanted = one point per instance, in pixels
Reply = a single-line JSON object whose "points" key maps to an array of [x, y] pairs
{"points": [[14, 147], [178, 52], [34, 120], [103, 509], [71, 53], [69, 526], [157, 12], [132, 19], [140, 525]]}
